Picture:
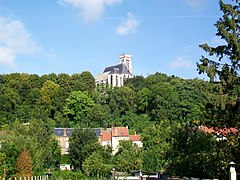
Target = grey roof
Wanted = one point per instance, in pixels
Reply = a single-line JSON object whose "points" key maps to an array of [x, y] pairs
{"points": [[102, 76], [60, 131], [98, 131], [117, 69]]}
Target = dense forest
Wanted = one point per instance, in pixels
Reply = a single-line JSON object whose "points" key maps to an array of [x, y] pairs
{"points": [[167, 111], [71, 101]]}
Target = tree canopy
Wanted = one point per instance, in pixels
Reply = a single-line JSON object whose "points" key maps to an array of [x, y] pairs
{"points": [[222, 66]]}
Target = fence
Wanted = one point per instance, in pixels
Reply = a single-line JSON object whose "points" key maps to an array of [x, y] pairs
{"points": [[26, 178]]}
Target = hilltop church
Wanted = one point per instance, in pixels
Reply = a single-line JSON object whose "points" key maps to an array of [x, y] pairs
{"points": [[116, 74]]}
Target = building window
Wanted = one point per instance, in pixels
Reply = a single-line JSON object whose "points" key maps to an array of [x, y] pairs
{"points": [[116, 80], [111, 80], [127, 63]]}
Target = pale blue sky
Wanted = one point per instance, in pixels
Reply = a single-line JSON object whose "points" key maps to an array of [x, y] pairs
{"points": [[71, 36]]}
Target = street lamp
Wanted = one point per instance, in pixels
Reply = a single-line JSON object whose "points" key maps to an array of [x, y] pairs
{"points": [[233, 174], [113, 173]]}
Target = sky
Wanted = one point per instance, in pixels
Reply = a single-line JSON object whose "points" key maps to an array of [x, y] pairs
{"points": [[71, 36]]}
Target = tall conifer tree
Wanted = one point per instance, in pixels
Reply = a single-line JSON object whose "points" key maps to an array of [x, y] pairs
{"points": [[222, 67]]}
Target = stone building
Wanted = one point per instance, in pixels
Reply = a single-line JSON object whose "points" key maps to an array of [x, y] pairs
{"points": [[116, 74], [63, 135]]}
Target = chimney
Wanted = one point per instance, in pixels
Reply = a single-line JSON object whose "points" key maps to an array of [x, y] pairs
{"points": [[64, 132]]}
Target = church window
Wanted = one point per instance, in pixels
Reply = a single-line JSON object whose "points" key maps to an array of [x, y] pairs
{"points": [[111, 80], [116, 80]]}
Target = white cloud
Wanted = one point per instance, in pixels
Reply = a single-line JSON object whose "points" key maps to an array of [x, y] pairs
{"points": [[14, 40], [127, 26], [90, 9], [181, 62], [7, 57]]}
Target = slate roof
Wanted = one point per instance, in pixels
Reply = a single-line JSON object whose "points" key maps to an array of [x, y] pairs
{"points": [[117, 69], [102, 76], [98, 131], [60, 131]]}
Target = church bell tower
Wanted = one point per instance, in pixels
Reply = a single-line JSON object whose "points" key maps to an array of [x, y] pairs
{"points": [[127, 60]]}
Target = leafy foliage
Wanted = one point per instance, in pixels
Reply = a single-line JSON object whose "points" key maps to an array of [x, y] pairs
{"points": [[128, 157], [77, 106], [94, 166], [70, 175], [39, 141], [81, 145]]}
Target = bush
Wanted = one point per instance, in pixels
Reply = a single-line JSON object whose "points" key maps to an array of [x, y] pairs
{"points": [[69, 175]]}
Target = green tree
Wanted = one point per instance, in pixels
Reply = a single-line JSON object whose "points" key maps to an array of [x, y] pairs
{"points": [[77, 105], [94, 166], [156, 144], [88, 80], [77, 83], [96, 116], [136, 83], [164, 102], [2, 163], [144, 97], [128, 157], [9, 101], [36, 136], [48, 90], [81, 145], [191, 153], [224, 68], [124, 98], [64, 80]]}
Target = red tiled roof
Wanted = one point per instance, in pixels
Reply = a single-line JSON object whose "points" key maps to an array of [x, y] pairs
{"points": [[135, 137], [206, 129], [120, 131], [219, 131], [106, 135]]}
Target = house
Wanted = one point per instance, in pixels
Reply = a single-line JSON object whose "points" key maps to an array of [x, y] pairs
{"points": [[63, 135], [219, 133], [113, 136], [107, 137], [136, 138], [118, 134], [116, 74], [65, 167]]}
